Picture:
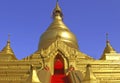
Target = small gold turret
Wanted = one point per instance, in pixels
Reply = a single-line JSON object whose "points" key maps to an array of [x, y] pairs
{"points": [[7, 52], [109, 50], [7, 49], [89, 76], [57, 29]]}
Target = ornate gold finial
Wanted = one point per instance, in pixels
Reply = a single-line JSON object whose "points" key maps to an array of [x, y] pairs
{"points": [[57, 11], [8, 41], [106, 36], [107, 39], [108, 43]]}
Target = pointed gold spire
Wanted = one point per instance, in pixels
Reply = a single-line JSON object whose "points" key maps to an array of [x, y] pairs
{"points": [[108, 48], [7, 50], [107, 37], [57, 12]]}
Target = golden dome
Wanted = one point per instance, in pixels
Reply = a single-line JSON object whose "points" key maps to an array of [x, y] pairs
{"points": [[57, 29]]}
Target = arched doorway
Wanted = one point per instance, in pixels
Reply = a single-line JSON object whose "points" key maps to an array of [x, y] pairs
{"points": [[58, 65], [59, 73]]}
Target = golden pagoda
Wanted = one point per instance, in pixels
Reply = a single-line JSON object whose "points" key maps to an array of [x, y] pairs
{"points": [[59, 60]]}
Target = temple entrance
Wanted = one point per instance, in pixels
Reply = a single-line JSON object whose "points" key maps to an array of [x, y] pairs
{"points": [[58, 65], [59, 74]]}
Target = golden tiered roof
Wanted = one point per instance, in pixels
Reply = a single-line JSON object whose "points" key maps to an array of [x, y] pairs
{"points": [[57, 29]]}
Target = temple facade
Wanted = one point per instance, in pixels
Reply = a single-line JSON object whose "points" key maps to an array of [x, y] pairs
{"points": [[59, 60]]}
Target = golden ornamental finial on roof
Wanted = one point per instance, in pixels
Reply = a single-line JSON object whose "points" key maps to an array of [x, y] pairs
{"points": [[57, 11], [108, 48], [8, 41], [107, 40]]}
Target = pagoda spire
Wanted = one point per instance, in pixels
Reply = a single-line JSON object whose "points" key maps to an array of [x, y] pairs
{"points": [[7, 50], [108, 48], [57, 12], [8, 44], [107, 37]]}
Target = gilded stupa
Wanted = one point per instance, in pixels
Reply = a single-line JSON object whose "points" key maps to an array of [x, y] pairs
{"points": [[58, 29], [59, 60]]}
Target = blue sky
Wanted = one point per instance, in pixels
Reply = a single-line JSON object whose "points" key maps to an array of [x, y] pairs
{"points": [[89, 20]]}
